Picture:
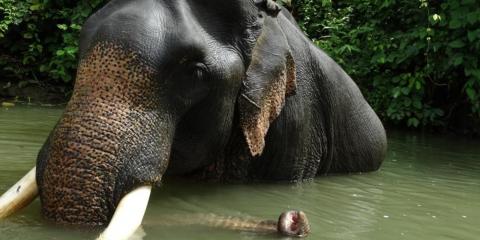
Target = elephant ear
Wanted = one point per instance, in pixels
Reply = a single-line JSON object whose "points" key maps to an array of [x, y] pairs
{"points": [[269, 80]]}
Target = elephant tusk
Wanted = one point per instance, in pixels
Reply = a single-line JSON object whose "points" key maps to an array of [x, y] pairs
{"points": [[128, 215], [19, 195]]}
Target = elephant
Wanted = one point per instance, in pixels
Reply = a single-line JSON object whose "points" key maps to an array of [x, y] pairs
{"points": [[219, 90]]}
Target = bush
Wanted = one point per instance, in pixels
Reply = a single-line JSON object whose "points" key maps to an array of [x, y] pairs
{"points": [[416, 61], [38, 41]]}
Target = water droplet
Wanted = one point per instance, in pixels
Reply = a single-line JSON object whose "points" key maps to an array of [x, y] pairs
{"points": [[386, 216]]}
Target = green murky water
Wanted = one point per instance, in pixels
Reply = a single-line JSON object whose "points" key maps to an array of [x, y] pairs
{"points": [[428, 188]]}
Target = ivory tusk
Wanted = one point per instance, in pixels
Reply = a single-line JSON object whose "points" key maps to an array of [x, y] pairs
{"points": [[20, 195], [128, 215]]}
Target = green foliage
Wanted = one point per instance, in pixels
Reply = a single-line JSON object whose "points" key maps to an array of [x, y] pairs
{"points": [[39, 40], [416, 61]]}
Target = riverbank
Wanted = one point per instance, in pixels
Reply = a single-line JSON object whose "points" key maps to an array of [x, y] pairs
{"points": [[32, 94]]}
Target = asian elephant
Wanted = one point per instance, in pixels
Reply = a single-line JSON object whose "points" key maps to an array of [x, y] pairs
{"points": [[227, 90]]}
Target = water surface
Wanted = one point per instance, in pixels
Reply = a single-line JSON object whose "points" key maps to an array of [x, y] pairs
{"points": [[428, 188]]}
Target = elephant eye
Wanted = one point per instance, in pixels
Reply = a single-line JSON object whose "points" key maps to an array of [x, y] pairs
{"points": [[199, 70]]}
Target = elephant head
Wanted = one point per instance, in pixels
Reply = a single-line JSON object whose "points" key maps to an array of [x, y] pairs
{"points": [[154, 76]]}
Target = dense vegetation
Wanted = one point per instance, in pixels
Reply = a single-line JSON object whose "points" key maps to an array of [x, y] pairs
{"points": [[38, 42], [417, 62]]}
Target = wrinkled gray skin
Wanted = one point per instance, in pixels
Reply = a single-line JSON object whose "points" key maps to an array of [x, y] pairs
{"points": [[227, 90]]}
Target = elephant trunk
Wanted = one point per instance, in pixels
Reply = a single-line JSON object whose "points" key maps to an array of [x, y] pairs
{"points": [[83, 172], [113, 137]]}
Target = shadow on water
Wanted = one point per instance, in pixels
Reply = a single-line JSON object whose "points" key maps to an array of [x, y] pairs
{"points": [[428, 188]]}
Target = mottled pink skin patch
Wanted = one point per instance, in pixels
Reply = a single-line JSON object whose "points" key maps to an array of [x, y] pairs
{"points": [[293, 223]]}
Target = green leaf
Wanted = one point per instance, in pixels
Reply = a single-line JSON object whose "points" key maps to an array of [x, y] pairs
{"points": [[22, 84], [471, 93], [457, 60], [472, 18], [413, 122], [62, 26], [71, 50], [407, 102], [27, 35], [418, 85], [475, 73], [43, 68], [471, 35], [36, 7], [438, 112], [455, 24], [467, 2], [456, 44], [75, 26], [417, 103]]}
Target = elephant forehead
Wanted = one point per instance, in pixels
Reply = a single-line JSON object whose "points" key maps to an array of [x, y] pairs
{"points": [[111, 72]]}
